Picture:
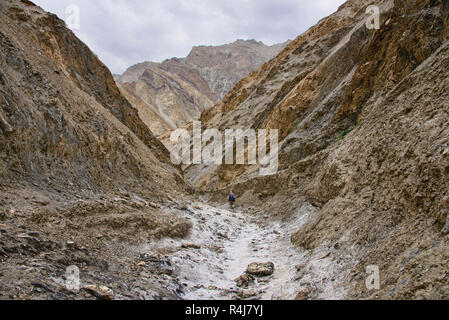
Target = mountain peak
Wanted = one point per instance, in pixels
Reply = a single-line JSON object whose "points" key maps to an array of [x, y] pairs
{"points": [[178, 90]]}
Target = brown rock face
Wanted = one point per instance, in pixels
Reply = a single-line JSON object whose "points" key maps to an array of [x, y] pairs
{"points": [[177, 91], [364, 159], [89, 73], [62, 117], [364, 142]]}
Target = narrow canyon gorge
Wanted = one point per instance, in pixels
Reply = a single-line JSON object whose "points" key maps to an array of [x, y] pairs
{"points": [[87, 182]]}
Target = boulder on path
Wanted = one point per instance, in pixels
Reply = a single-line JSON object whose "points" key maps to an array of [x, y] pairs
{"points": [[260, 269]]}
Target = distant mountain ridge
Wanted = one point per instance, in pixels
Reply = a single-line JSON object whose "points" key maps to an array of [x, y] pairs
{"points": [[363, 148], [176, 91]]}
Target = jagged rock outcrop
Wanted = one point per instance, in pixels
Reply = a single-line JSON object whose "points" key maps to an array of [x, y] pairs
{"points": [[363, 141], [223, 66], [177, 91]]}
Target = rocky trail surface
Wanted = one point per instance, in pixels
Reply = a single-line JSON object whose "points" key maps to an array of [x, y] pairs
{"points": [[234, 254]]}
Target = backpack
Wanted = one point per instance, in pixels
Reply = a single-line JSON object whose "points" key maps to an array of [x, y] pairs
{"points": [[231, 197]]}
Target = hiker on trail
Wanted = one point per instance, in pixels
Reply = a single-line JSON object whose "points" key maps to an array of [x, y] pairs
{"points": [[231, 199]]}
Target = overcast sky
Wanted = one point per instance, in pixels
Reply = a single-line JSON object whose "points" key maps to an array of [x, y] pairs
{"points": [[124, 32]]}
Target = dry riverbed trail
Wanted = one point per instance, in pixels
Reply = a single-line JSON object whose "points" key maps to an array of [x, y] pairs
{"points": [[231, 254]]}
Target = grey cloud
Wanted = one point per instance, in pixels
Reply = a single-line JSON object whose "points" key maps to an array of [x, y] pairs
{"points": [[124, 32]]}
